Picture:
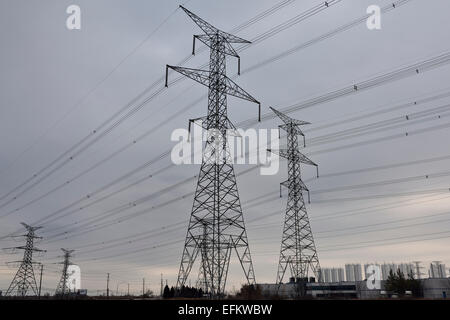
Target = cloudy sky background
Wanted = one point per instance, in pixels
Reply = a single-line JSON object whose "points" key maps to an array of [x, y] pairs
{"points": [[53, 94]]}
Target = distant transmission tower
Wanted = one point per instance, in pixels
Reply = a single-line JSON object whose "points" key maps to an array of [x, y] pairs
{"points": [[216, 204], [24, 281], [298, 251], [63, 287]]}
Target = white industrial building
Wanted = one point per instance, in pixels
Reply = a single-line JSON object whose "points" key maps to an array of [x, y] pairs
{"points": [[407, 269], [333, 274], [366, 267], [431, 289], [292, 289], [437, 270], [386, 268], [350, 282], [353, 272]]}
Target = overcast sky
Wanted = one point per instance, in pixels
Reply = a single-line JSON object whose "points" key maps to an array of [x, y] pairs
{"points": [[53, 93]]}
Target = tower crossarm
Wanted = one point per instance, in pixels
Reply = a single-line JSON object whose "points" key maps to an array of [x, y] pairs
{"points": [[288, 120], [234, 90], [292, 128], [232, 130], [68, 252], [198, 75], [210, 30], [302, 185], [28, 235], [293, 155], [27, 248], [203, 77]]}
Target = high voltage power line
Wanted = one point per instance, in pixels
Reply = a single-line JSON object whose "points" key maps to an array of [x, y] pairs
{"points": [[71, 180], [178, 241], [130, 205], [95, 87], [399, 119], [68, 181], [96, 134], [170, 261], [372, 209], [265, 196], [416, 178], [386, 9], [423, 217], [387, 195], [395, 75], [157, 246], [414, 103], [339, 230], [179, 226], [185, 181], [372, 128], [307, 103]]}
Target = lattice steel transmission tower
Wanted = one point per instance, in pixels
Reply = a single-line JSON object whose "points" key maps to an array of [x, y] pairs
{"points": [[216, 208], [298, 251], [24, 280], [62, 287]]}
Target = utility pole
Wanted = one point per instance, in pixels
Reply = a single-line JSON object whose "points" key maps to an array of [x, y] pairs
{"points": [[128, 291], [63, 288], [107, 286], [162, 286], [24, 280], [40, 280], [298, 251], [216, 202], [143, 287]]}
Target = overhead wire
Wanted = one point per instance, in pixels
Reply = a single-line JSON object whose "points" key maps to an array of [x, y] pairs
{"points": [[95, 133], [189, 179], [98, 137]]}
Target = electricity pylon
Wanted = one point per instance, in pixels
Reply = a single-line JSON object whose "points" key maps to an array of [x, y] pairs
{"points": [[216, 206], [24, 280], [298, 251], [63, 287]]}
